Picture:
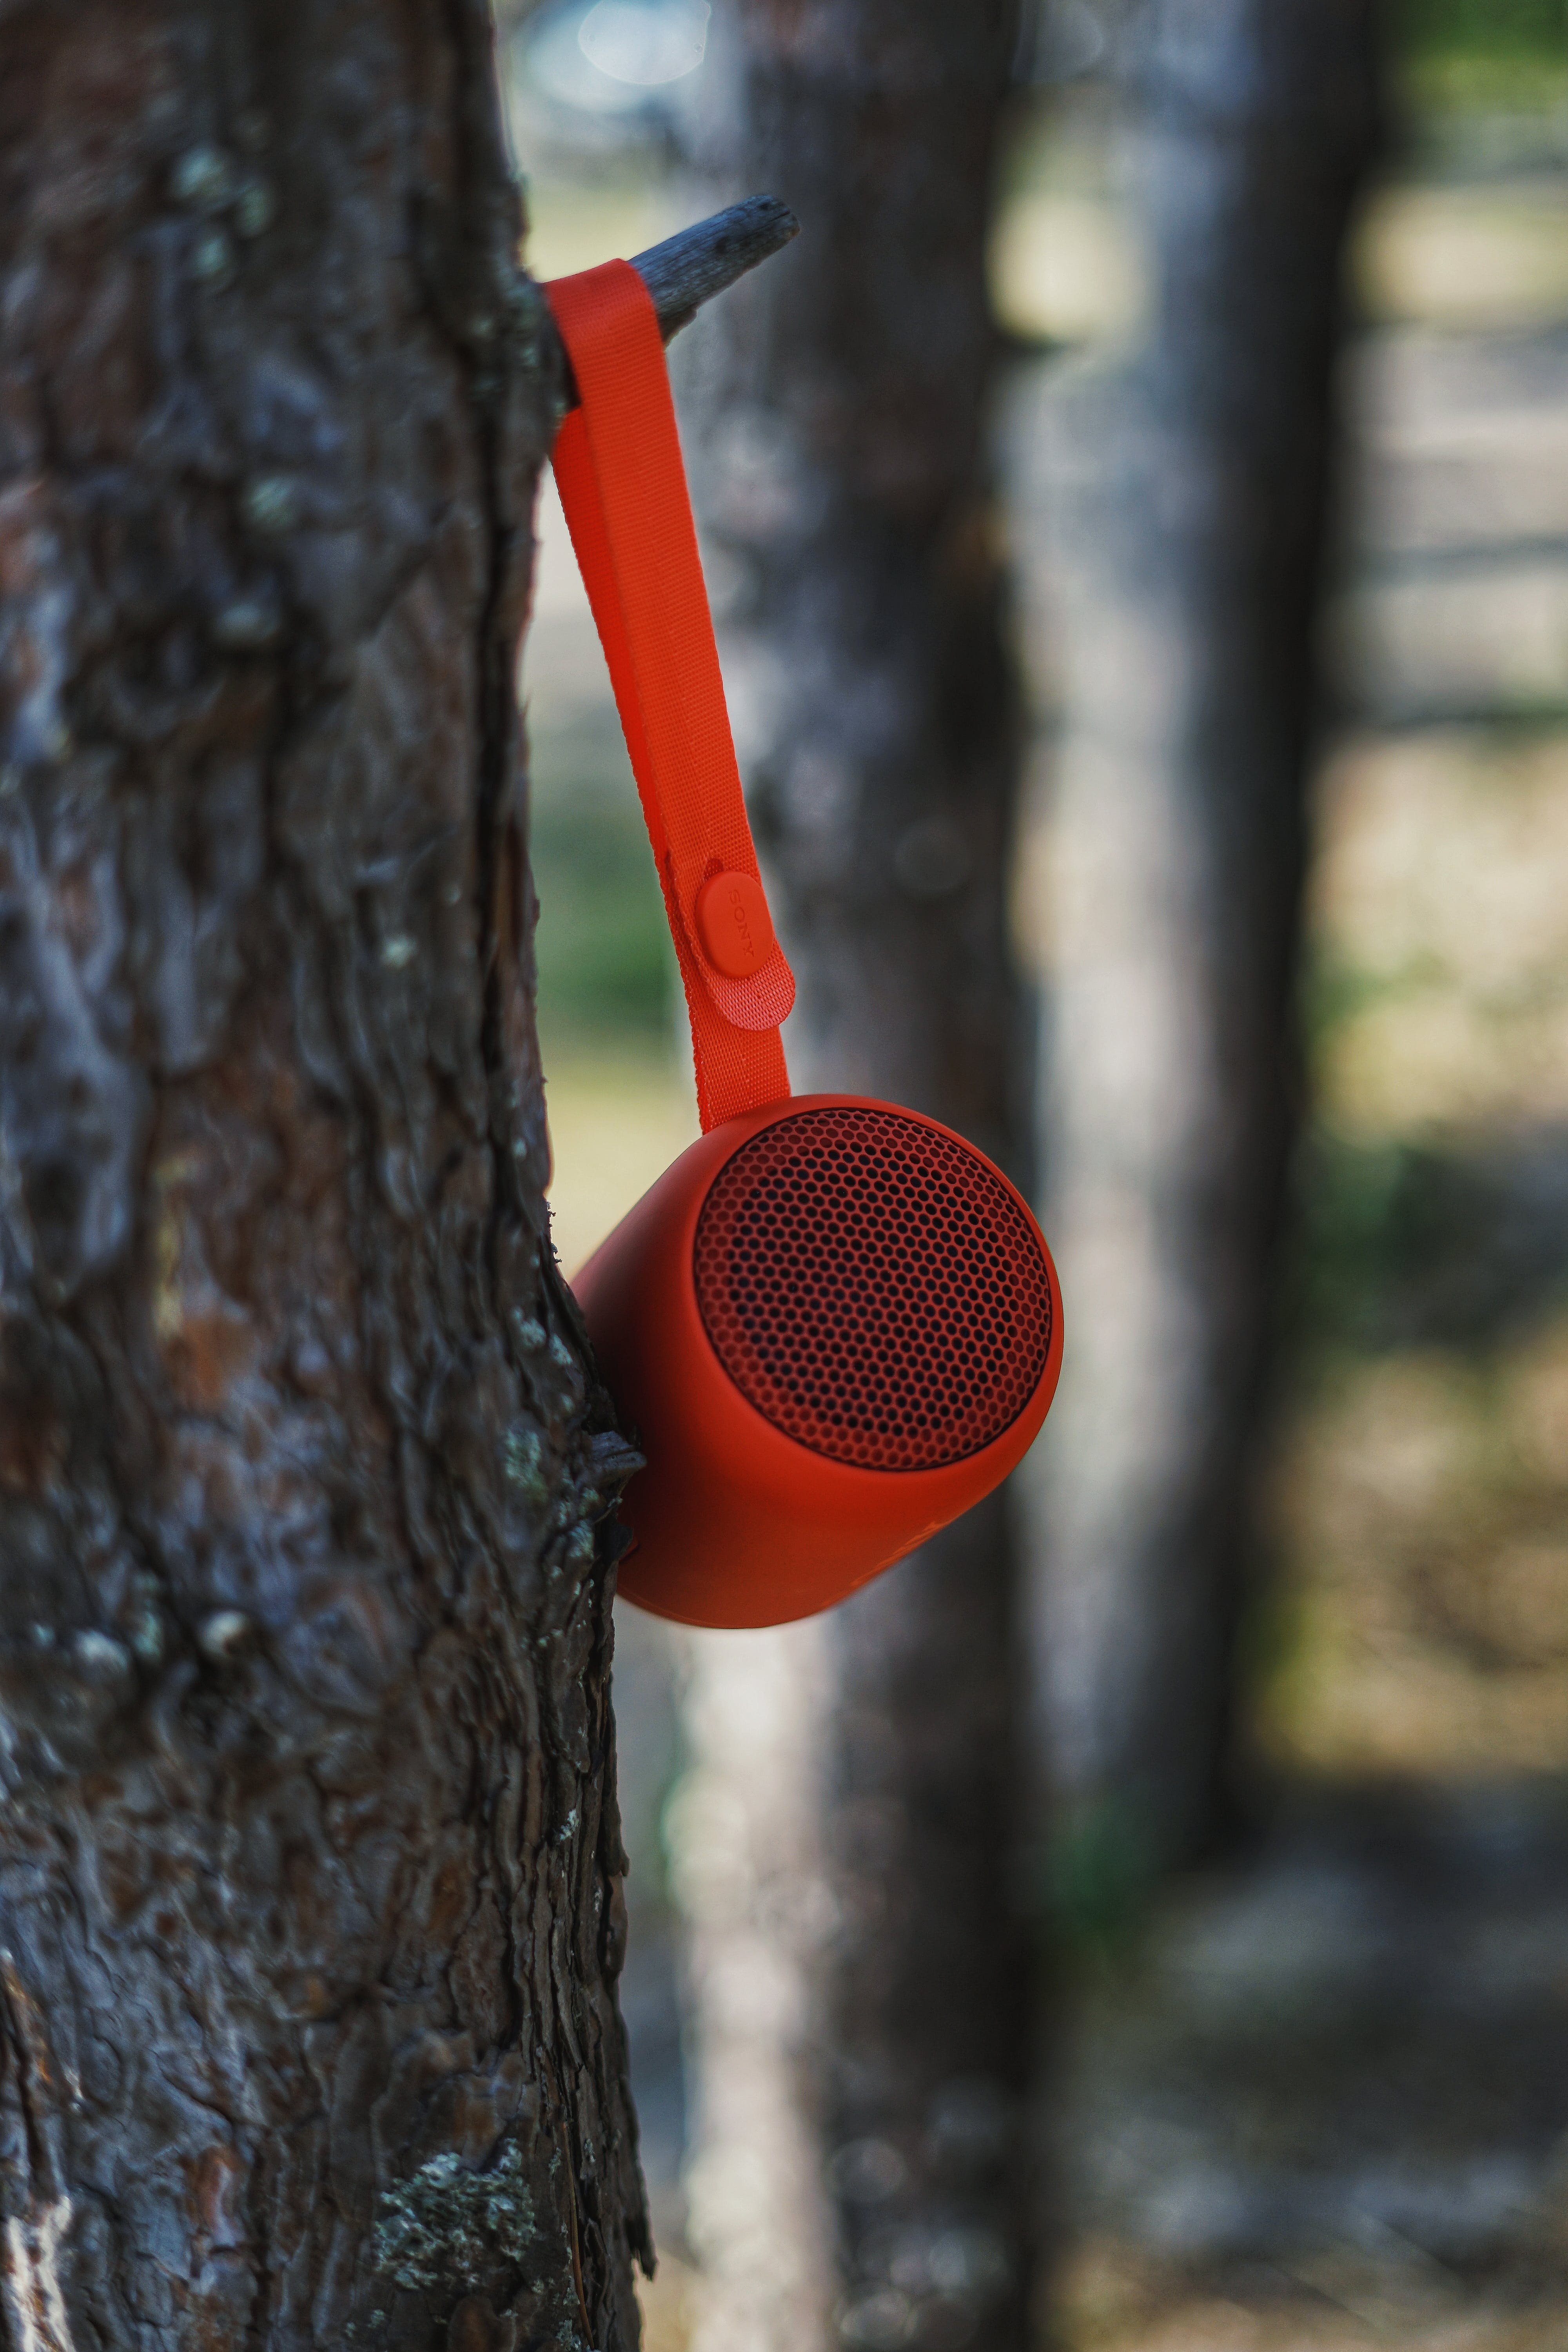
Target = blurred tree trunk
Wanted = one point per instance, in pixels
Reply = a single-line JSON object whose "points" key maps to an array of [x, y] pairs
{"points": [[308, 1856], [1177, 508], [845, 497]]}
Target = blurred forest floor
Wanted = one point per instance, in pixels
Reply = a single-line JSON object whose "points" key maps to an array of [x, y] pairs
{"points": [[1320, 2098]]}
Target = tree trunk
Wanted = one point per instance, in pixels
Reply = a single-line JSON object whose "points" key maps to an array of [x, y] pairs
{"points": [[843, 488], [1184, 499], [310, 1907], [745, 1829]]}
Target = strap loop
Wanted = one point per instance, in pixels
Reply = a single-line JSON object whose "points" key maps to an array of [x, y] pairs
{"points": [[623, 486]]}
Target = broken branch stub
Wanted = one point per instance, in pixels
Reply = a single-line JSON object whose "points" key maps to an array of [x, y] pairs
{"points": [[688, 268]]}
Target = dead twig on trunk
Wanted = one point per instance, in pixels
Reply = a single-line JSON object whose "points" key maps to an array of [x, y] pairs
{"points": [[688, 268]]}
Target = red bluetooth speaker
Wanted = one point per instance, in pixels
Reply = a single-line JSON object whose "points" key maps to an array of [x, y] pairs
{"points": [[836, 1325], [831, 1324]]}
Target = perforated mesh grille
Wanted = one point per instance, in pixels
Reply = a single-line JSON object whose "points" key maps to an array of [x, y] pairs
{"points": [[873, 1289]]}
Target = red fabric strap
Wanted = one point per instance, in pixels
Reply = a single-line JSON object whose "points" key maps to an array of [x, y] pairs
{"points": [[622, 483]]}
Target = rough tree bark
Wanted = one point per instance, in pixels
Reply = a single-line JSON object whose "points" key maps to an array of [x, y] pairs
{"points": [[310, 1859], [843, 491], [1178, 510]]}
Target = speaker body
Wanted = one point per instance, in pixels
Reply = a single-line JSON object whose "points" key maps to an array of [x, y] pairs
{"points": [[833, 1326]]}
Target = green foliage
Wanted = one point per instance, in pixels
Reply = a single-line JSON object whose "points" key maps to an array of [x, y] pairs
{"points": [[1515, 29], [1273, 1635], [1464, 57], [1333, 991], [1101, 1871], [1403, 1244], [1369, 1219], [604, 958]]}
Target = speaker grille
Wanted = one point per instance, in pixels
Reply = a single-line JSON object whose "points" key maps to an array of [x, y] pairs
{"points": [[873, 1289]]}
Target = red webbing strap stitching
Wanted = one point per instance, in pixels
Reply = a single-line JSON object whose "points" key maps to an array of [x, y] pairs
{"points": [[623, 486]]}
